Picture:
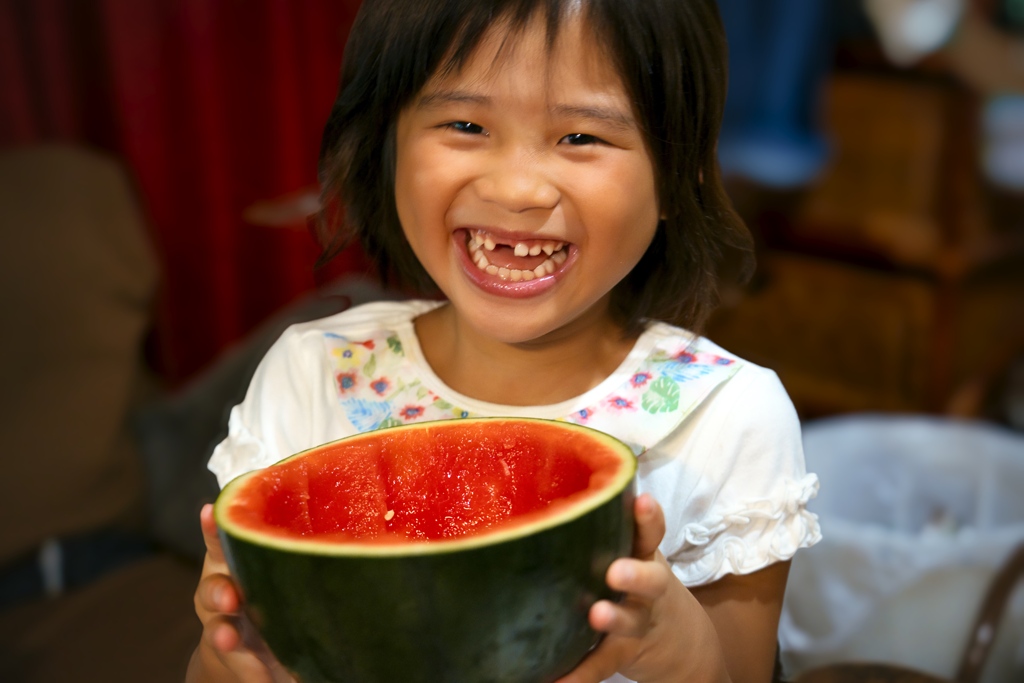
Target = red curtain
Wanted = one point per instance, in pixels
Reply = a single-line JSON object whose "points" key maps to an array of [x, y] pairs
{"points": [[214, 105]]}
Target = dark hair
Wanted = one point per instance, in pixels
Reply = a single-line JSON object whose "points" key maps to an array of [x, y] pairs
{"points": [[671, 55]]}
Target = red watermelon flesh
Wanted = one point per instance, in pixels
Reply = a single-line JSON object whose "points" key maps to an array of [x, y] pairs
{"points": [[425, 484]]}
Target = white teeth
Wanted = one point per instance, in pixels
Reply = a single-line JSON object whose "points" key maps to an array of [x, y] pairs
{"points": [[480, 241], [515, 275]]}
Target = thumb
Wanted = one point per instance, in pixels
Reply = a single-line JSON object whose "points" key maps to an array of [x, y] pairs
{"points": [[650, 526]]}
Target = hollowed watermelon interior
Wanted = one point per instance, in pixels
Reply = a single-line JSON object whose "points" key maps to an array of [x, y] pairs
{"points": [[437, 482]]}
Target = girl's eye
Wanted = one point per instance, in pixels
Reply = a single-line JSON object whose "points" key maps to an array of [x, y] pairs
{"points": [[465, 127], [580, 139]]}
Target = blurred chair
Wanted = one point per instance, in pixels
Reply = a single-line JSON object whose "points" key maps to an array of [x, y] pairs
{"points": [[85, 593]]}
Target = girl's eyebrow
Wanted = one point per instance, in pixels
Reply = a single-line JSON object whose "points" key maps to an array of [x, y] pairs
{"points": [[439, 98], [608, 115]]}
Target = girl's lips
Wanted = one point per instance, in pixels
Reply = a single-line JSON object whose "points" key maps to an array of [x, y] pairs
{"points": [[473, 247]]}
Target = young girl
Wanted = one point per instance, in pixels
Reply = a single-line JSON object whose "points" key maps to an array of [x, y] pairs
{"points": [[548, 166]]}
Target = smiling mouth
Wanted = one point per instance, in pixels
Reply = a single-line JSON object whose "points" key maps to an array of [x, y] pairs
{"points": [[515, 260]]}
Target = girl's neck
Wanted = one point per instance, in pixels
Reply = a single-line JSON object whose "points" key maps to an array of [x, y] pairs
{"points": [[561, 366]]}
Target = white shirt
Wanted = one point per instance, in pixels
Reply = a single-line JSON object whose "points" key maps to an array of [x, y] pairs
{"points": [[728, 470], [718, 440]]}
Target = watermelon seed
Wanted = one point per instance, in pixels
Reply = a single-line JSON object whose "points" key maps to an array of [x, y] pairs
{"points": [[388, 515]]}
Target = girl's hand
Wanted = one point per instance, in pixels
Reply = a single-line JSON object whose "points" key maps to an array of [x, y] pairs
{"points": [[659, 632], [230, 648]]}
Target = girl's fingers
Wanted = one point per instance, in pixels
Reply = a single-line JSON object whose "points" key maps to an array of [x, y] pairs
{"points": [[650, 526], [629, 619], [240, 650], [221, 633], [217, 593], [227, 634], [222, 637], [646, 580]]}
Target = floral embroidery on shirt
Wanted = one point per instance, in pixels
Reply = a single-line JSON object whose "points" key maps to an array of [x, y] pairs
{"points": [[379, 387], [661, 395], [387, 396], [395, 344], [411, 412], [640, 379], [366, 415], [619, 403], [346, 381]]}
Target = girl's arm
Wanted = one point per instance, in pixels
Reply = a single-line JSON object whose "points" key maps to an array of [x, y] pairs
{"points": [[745, 612]]}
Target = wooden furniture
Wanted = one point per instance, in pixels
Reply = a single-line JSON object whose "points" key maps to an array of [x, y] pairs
{"points": [[889, 284], [867, 673]]}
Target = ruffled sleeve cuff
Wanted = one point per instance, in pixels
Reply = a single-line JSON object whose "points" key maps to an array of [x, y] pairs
{"points": [[239, 453], [749, 538]]}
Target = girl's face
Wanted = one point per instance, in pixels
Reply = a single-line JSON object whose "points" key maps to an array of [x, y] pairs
{"points": [[524, 185]]}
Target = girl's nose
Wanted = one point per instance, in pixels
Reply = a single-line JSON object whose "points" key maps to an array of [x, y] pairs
{"points": [[518, 183]]}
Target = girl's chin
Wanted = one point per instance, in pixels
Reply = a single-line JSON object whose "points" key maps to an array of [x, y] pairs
{"points": [[510, 329], [524, 322]]}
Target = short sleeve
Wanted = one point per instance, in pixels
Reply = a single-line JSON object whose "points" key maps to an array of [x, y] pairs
{"points": [[733, 483], [292, 403], [277, 417]]}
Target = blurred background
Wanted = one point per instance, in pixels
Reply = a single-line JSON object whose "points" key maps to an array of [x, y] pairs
{"points": [[157, 172]]}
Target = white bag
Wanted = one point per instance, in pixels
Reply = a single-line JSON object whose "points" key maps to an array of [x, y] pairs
{"points": [[917, 514]]}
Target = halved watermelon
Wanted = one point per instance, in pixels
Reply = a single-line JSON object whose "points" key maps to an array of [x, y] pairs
{"points": [[463, 550]]}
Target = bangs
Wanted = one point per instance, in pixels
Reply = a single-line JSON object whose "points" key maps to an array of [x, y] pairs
{"points": [[438, 37], [510, 16]]}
